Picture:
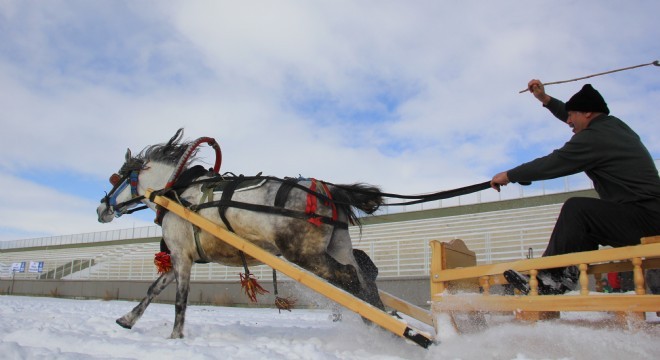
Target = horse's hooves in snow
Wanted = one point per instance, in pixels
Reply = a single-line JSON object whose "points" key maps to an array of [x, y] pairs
{"points": [[122, 324]]}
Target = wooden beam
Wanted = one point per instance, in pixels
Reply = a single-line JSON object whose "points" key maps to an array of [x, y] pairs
{"points": [[549, 262], [296, 273], [611, 302], [407, 308]]}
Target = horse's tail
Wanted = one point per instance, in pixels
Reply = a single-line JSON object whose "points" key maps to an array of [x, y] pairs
{"points": [[364, 197]]}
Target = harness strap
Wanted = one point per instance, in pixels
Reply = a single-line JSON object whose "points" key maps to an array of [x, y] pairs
{"points": [[270, 209], [200, 250], [283, 192], [227, 194], [331, 203], [311, 199]]}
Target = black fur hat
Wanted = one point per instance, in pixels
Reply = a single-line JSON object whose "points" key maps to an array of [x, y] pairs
{"points": [[587, 100]]}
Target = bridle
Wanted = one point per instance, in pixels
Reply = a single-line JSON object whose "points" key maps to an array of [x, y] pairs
{"points": [[119, 184]]}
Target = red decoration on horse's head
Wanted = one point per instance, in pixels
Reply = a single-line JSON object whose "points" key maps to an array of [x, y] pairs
{"points": [[114, 179]]}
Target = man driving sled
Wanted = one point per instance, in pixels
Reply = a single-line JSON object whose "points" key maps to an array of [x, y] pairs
{"points": [[623, 173]]}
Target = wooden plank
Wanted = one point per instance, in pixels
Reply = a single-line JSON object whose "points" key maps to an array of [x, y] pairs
{"points": [[549, 262], [296, 273], [622, 266], [612, 302], [651, 239], [405, 307]]}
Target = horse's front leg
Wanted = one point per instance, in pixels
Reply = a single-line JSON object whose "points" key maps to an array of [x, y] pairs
{"points": [[182, 273], [127, 321]]}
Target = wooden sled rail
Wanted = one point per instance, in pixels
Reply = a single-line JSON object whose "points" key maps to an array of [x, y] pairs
{"points": [[297, 273], [445, 273], [587, 257]]}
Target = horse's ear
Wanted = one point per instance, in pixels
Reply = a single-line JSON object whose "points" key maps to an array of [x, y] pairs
{"points": [[177, 136], [128, 154]]}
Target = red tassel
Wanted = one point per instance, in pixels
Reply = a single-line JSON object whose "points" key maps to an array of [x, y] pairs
{"points": [[251, 287], [163, 262]]}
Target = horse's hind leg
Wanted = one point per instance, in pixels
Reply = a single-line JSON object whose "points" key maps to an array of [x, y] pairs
{"points": [[340, 248], [127, 321], [369, 274], [326, 267]]}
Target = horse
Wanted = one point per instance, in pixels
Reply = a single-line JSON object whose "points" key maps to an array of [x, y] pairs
{"points": [[318, 242]]}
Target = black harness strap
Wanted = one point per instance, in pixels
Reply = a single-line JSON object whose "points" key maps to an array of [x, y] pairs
{"points": [[283, 192], [271, 210], [227, 194]]}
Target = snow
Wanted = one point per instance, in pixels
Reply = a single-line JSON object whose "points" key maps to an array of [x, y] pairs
{"points": [[55, 328]]}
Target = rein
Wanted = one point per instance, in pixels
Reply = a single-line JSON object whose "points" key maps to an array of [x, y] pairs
{"points": [[418, 199], [414, 199]]}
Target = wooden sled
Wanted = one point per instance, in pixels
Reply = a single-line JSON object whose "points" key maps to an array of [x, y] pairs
{"points": [[309, 279], [453, 266]]}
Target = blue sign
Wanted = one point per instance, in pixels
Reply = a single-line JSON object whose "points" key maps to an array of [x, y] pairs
{"points": [[36, 266], [18, 267]]}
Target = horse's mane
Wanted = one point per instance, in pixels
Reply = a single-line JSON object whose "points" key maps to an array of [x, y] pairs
{"points": [[167, 153]]}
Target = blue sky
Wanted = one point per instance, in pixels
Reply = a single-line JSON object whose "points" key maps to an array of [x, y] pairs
{"points": [[413, 96]]}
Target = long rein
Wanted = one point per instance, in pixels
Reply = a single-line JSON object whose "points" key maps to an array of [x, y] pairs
{"points": [[413, 199]]}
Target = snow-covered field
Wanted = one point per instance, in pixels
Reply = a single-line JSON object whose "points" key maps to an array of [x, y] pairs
{"points": [[52, 328]]}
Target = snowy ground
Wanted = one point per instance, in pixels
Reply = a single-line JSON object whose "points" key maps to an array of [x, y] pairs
{"points": [[51, 328]]}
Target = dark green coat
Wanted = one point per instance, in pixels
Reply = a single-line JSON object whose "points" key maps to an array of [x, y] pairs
{"points": [[609, 152]]}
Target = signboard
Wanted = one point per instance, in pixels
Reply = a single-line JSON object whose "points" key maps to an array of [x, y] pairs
{"points": [[18, 267], [36, 266]]}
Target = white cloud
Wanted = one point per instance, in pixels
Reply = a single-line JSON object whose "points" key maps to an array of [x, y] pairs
{"points": [[30, 210], [414, 97]]}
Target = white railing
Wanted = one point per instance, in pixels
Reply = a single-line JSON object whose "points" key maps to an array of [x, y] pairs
{"points": [[93, 237]]}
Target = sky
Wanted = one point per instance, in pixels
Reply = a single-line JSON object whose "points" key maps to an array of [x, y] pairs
{"points": [[56, 328], [415, 97]]}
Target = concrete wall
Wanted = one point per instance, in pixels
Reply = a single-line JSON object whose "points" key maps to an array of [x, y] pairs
{"points": [[414, 290]]}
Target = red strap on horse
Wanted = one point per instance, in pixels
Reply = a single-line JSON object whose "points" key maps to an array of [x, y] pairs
{"points": [[311, 199], [331, 203], [312, 203]]}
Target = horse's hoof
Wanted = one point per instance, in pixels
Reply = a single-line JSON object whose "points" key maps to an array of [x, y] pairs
{"points": [[121, 323], [176, 336]]}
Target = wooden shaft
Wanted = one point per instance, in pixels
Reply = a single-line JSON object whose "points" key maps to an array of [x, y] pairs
{"points": [[295, 272]]}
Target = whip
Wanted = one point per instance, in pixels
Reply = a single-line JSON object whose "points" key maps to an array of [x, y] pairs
{"points": [[656, 63]]}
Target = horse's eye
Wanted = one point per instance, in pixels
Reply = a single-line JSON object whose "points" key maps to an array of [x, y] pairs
{"points": [[114, 179]]}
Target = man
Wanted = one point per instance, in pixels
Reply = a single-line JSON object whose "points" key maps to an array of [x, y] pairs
{"points": [[623, 173]]}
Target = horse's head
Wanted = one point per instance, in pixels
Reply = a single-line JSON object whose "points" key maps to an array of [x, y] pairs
{"points": [[151, 168], [125, 193]]}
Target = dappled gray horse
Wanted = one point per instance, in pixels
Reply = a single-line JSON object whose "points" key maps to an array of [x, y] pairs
{"points": [[273, 214]]}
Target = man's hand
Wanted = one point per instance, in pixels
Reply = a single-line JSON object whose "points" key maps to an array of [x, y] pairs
{"points": [[535, 86], [501, 179]]}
